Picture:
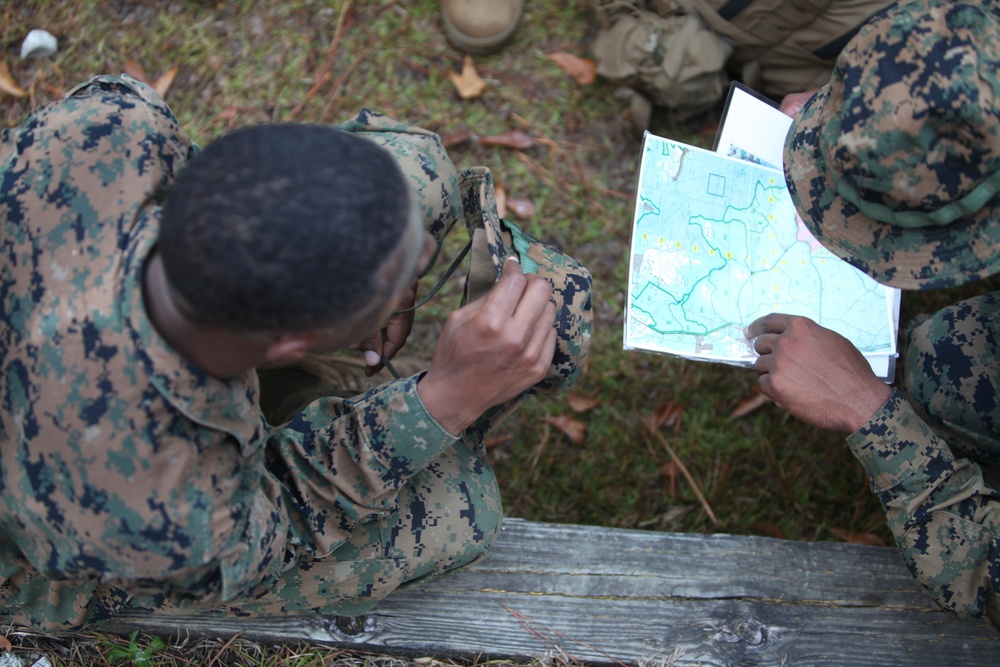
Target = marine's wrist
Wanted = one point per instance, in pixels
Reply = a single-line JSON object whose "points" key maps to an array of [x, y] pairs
{"points": [[449, 410], [867, 403]]}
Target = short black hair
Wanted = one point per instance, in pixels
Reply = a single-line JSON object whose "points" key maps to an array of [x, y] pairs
{"points": [[283, 226]]}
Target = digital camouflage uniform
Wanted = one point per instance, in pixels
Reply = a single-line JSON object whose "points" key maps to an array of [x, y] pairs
{"points": [[128, 474], [894, 166]]}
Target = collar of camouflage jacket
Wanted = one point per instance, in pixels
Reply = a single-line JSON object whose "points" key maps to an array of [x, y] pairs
{"points": [[225, 405]]}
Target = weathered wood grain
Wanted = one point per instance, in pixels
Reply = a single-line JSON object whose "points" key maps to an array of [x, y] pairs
{"points": [[606, 595]]}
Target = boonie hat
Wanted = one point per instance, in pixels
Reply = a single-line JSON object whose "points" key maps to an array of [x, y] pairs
{"points": [[895, 164]]}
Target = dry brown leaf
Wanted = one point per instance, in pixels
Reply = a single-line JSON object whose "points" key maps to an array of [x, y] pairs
{"points": [[468, 84], [583, 70], [500, 192], [229, 113], [455, 137], [497, 440], [582, 402], [517, 139], [5, 644], [749, 404], [852, 537], [668, 414], [767, 528], [7, 83], [574, 429], [135, 70], [162, 84], [521, 207]]}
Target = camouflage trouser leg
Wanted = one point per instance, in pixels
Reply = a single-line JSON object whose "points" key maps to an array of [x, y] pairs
{"points": [[951, 375], [448, 516]]}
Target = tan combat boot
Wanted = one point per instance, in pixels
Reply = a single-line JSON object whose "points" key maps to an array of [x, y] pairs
{"points": [[480, 26]]}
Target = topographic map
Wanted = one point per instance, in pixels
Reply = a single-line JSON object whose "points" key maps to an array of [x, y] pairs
{"points": [[716, 243]]}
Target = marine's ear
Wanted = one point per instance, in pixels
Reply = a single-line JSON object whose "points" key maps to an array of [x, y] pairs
{"points": [[290, 346]]}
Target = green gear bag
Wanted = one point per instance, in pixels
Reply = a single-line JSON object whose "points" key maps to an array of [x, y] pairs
{"points": [[672, 59]]}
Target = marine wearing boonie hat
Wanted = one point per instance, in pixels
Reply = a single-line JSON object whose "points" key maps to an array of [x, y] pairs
{"points": [[895, 164]]}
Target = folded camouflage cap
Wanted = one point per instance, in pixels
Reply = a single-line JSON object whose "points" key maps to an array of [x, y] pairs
{"points": [[895, 164], [493, 239]]}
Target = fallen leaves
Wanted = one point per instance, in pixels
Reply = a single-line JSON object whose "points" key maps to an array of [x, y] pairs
{"points": [[521, 207], [7, 83], [515, 139], [162, 84], [582, 402], [498, 440], [749, 404], [583, 70], [468, 84], [5, 644], [768, 528], [574, 429], [854, 537], [667, 414], [135, 69], [456, 137]]}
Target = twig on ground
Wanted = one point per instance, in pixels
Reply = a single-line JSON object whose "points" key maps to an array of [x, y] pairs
{"points": [[323, 74], [687, 475], [222, 649]]}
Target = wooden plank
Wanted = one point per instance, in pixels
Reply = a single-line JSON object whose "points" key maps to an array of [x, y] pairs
{"points": [[604, 595], [651, 564]]}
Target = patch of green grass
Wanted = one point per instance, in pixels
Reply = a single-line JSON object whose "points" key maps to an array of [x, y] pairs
{"points": [[138, 650], [140, 655]]}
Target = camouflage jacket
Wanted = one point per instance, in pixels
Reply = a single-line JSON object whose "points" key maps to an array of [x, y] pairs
{"points": [[944, 516], [120, 463]]}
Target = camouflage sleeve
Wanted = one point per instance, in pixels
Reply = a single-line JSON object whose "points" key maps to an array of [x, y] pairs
{"points": [[344, 460], [945, 518]]}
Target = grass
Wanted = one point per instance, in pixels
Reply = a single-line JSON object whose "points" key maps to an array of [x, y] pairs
{"points": [[253, 61], [93, 649]]}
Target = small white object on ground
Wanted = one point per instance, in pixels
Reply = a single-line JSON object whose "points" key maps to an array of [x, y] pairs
{"points": [[10, 660], [38, 44]]}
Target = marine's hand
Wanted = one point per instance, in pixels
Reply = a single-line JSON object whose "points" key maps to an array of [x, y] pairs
{"points": [[815, 373], [491, 350], [387, 341], [793, 102]]}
